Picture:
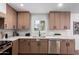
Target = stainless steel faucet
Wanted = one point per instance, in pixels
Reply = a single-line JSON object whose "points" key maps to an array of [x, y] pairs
{"points": [[39, 33]]}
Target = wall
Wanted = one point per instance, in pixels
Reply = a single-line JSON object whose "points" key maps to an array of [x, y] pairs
{"points": [[38, 17], [74, 17], [9, 32], [3, 7]]}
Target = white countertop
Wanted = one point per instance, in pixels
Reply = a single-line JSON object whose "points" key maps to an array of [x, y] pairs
{"points": [[31, 37]]}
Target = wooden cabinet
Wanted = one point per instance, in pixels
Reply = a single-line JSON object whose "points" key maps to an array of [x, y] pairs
{"points": [[31, 46], [39, 47], [51, 21], [67, 47], [24, 46], [43, 45], [62, 46], [10, 18], [15, 47], [24, 20], [16, 20], [1, 23], [59, 20], [34, 46], [65, 20], [71, 46], [63, 49]]}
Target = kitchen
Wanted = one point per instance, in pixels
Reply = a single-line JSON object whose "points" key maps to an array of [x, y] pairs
{"points": [[39, 29]]}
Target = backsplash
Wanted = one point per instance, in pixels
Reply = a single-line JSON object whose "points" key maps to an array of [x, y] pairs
{"points": [[9, 32], [22, 33]]}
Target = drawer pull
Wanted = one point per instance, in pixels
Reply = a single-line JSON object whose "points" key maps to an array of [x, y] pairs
{"points": [[67, 44], [65, 27], [38, 43], [54, 27], [28, 43]]}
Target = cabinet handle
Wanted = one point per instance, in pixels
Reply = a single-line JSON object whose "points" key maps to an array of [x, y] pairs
{"points": [[28, 43], [23, 27], [65, 27], [5, 25], [38, 43], [67, 44], [54, 27]]}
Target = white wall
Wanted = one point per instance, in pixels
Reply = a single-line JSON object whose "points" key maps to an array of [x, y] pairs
{"points": [[3, 7], [75, 17], [38, 17]]}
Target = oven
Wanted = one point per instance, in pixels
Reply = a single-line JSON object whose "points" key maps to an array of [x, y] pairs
{"points": [[5, 48]]}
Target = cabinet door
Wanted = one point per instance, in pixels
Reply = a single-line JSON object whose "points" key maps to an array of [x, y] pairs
{"points": [[62, 19], [63, 47], [15, 48], [11, 17], [43, 46], [24, 46], [71, 46], [34, 46], [67, 20], [23, 20], [57, 21], [51, 21]]}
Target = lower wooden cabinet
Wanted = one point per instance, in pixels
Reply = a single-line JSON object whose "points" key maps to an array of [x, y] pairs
{"points": [[62, 46], [31, 46], [34, 46], [67, 47], [15, 47], [24, 46], [71, 46], [43, 46]]}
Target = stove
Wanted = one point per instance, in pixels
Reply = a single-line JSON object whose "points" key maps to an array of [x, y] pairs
{"points": [[4, 48], [4, 44]]}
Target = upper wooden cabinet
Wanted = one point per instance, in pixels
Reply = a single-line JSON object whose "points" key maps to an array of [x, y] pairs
{"points": [[59, 20], [24, 20], [10, 19]]}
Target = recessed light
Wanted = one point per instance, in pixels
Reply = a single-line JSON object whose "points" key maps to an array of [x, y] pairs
{"points": [[21, 5], [60, 4]]}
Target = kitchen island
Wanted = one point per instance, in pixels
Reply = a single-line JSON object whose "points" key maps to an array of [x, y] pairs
{"points": [[22, 45]]}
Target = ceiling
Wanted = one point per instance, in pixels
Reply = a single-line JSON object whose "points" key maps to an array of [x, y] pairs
{"points": [[45, 7]]}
